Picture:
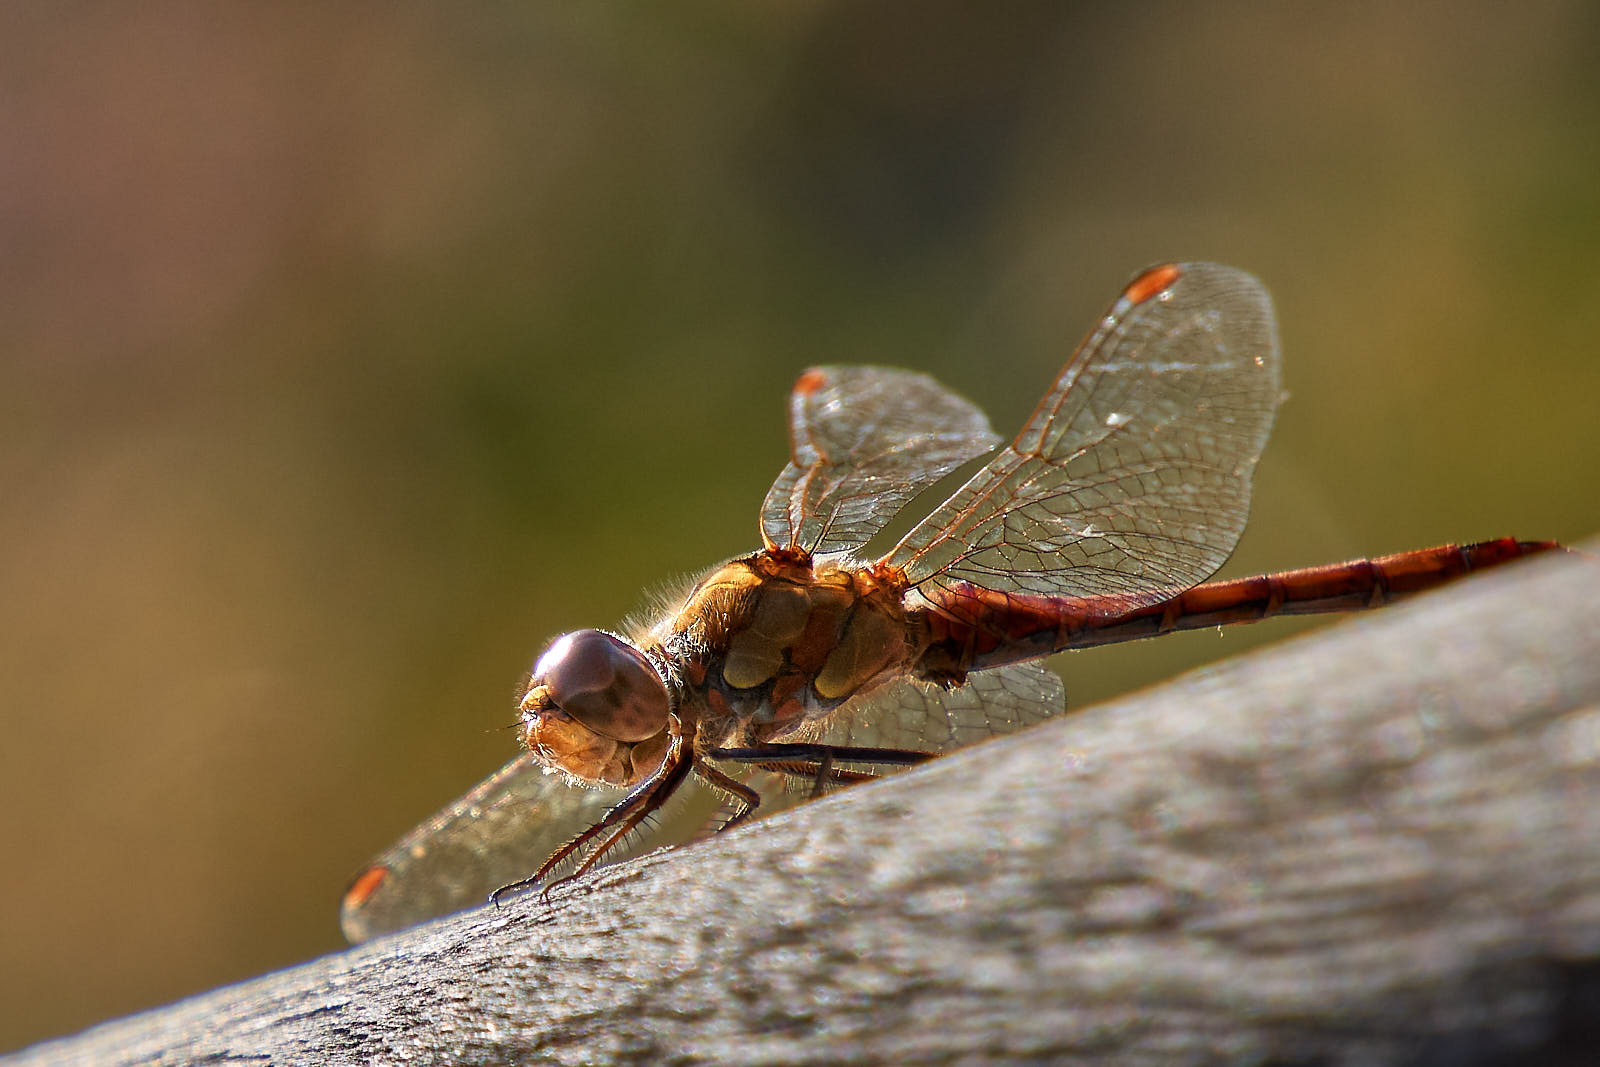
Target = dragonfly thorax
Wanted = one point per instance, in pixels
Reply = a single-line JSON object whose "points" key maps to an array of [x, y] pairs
{"points": [[769, 641]]}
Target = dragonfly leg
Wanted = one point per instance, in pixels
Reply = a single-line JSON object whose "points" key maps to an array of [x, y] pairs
{"points": [[645, 799], [815, 751], [813, 769], [747, 800], [824, 769], [817, 760]]}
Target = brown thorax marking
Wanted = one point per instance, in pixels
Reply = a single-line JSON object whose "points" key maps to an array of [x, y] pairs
{"points": [[786, 640]]}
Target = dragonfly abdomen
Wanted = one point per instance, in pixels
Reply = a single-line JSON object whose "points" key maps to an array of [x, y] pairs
{"points": [[975, 628]]}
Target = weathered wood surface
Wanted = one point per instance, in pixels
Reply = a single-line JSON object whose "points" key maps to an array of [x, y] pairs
{"points": [[1376, 844]]}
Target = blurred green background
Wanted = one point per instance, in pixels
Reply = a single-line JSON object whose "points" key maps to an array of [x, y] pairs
{"points": [[349, 353]]}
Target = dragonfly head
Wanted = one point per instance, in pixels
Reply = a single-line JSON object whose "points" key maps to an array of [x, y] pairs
{"points": [[596, 709]]}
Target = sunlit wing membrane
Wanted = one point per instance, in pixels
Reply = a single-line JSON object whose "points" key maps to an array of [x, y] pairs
{"points": [[496, 834], [909, 714], [863, 442], [1132, 477]]}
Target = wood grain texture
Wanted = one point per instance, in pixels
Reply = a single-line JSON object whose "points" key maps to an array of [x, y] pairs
{"points": [[1376, 844]]}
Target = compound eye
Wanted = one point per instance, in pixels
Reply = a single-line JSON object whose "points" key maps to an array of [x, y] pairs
{"points": [[606, 684]]}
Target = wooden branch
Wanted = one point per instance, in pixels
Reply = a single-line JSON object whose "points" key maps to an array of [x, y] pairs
{"points": [[1377, 844]]}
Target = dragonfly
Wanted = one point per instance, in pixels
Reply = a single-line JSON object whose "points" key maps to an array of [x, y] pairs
{"points": [[1101, 521]]}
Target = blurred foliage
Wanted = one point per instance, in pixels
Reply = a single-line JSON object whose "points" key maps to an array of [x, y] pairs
{"points": [[349, 353]]}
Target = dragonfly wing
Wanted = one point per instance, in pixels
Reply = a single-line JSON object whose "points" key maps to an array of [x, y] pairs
{"points": [[1132, 477], [922, 716], [863, 442], [496, 834]]}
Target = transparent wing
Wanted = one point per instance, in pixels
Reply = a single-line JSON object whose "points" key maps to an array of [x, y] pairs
{"points": [[919, 715], [496, 834], [1132, 477], [863, 442]]}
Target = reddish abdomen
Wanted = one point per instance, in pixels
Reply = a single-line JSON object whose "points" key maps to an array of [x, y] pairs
{"points": [[974, 628]]}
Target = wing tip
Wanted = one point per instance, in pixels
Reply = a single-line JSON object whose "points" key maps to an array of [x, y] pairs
{"points": [[810, 381], [1151, 282], [357, 897]]}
